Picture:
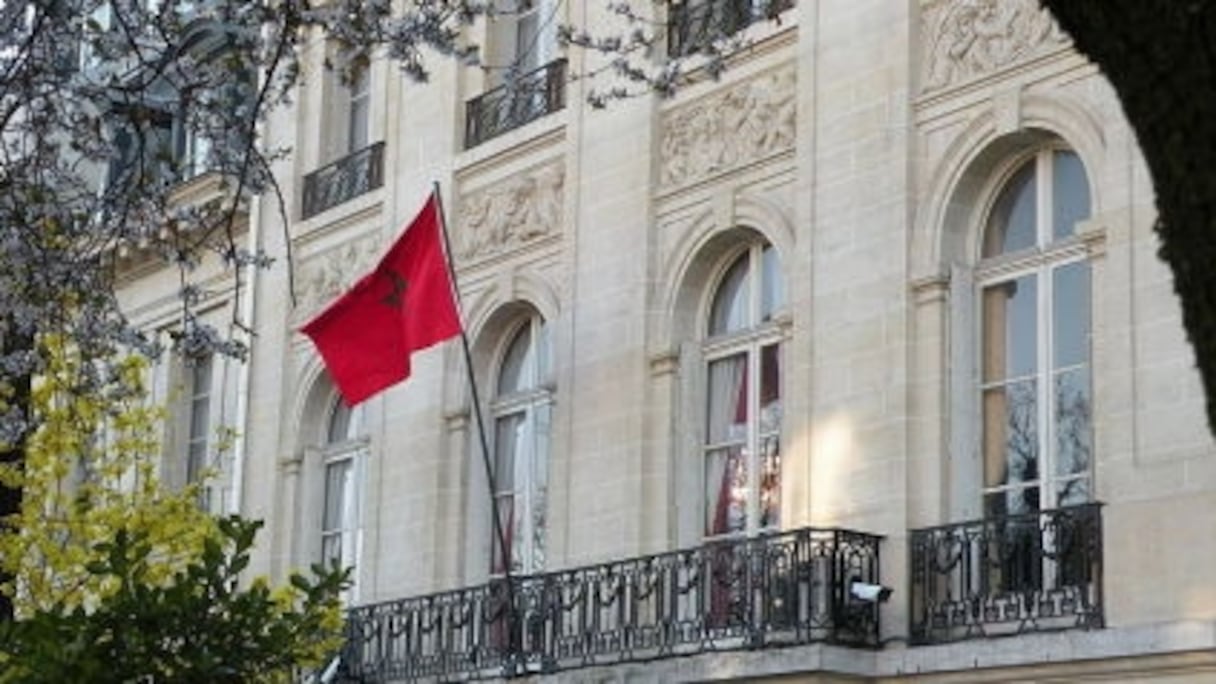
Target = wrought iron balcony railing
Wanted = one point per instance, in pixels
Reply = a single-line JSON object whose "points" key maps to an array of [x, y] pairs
{"points": [[1034, 572], [343, 180], [778, 590], [694, 24], [519, 101]]}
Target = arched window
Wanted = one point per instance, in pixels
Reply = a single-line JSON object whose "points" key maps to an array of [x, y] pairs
{"points": [[1034, 287], [742, 350], [522, 410], [343, 456]]}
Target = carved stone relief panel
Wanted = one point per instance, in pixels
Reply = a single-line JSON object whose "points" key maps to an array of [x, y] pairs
{"points": [[511, 213], [745, 123], [967, 38], [323, 276]]}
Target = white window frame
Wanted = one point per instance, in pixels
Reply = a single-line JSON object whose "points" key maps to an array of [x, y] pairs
{"points": [[359, 109], [750, 340], [537, 395], [1041, 261], [199, 401], [351, 450], [510, 43]]}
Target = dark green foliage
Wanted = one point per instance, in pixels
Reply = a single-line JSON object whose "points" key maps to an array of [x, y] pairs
{"points": [[1161, 58], [203, 626]]}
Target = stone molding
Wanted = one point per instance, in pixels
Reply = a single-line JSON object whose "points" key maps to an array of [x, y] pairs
{"points": [[325, 275], [744, 123], [511, 213], [964, 39]]}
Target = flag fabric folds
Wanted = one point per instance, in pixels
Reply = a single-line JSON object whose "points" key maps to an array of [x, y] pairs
{"points": [[405, 304]]}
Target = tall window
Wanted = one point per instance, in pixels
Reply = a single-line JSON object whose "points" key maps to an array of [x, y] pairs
{"points": [[524, 34], [742, 453], [343, 460], [358, 110], [1035, 394], [522, 408], [199, 411]]}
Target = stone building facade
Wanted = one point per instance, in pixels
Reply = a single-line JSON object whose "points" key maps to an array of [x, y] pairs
{"points": [[879, 305]]}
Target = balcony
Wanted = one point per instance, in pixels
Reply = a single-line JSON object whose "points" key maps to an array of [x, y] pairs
{"points": [[1024, 573], [513, 104], [778, 590], [343, 180], [694, 24]]}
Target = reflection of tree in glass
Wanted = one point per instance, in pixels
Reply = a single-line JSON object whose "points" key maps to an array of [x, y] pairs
{"points": [[1021, 446], [538, 528], [770, 482], [1074, 444]]}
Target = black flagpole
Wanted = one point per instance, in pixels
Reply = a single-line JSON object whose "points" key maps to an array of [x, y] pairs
{"points": [[496, 518]]}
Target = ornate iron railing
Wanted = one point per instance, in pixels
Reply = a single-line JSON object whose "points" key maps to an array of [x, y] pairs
{"points": [[778, 590], [344, 180], [1035, 572], [522, 99], [694, 24]]}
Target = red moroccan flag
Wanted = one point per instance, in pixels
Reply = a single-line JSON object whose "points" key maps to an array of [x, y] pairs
{"points": [[367, 335]]}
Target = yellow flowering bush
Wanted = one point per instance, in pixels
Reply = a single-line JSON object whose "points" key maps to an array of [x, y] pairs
{"points": [[116, 577]]}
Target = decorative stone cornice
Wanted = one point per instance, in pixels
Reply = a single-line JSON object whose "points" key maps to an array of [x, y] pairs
{"points": [[325, 275], [967, 38], [745, 123], [511, 213]]}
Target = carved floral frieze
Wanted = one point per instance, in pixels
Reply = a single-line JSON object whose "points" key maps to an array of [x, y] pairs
{"points": [[323, 276], [966, 38], [511, 213], [745, 123]]}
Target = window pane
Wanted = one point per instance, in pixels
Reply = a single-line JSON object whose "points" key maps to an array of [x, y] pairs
{"points": [[200, 398], [770, 481], [725, 491], [1074, 435], [527, 37], [770, 389], [507, 517], [331, 549], [1073, 492], [729, 311], [540, 483], [198, 153], [1011, 435], [727, 401], [345, 423], [517, 364], [1070, 314], [358, 135], [1070, 193], [543, 352], [772, 295], [1011, 227], [196, 457], [1010, 329], [339, 485], [1011, 502], [508, 437]]}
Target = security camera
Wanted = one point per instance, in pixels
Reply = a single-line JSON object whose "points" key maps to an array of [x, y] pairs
{"points": [[874, 593], [330, 671]]}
